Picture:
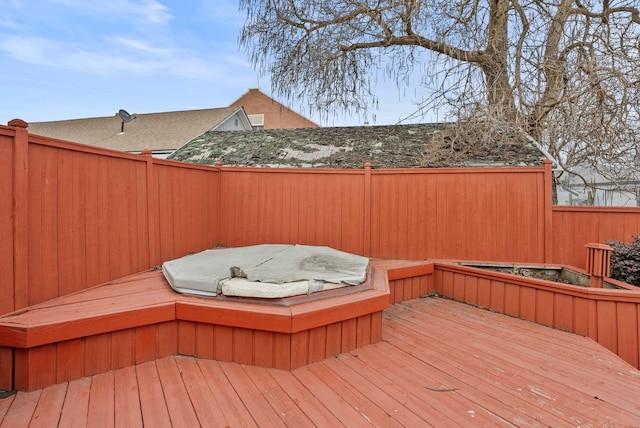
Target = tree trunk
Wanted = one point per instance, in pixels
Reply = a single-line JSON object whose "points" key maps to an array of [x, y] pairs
{"points": [[494, 63]]}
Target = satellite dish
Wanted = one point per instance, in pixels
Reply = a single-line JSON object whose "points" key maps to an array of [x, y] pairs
{"points": [[124, 115]]}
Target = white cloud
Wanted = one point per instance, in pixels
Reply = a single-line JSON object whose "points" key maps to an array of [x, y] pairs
{"points": [[8, 24], [122, 56], [152, 11], [149, 11], [141, 46]]}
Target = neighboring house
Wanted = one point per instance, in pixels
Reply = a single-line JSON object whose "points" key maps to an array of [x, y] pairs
{"points": [[266, 113], [597, 190], [394, 146], [162, 133]]}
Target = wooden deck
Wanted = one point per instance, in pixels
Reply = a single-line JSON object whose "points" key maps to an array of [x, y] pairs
{"points": [[440, 363]]}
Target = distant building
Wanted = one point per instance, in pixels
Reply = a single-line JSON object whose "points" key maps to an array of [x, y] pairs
{"points": [[162, 133], [597, 190], [266, 113]]}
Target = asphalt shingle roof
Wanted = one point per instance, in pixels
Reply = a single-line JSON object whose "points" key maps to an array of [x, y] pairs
{"points": [[155, 131]]}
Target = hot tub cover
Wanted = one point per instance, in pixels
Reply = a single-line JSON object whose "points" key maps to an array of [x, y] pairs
{"points": [[267, 271]]}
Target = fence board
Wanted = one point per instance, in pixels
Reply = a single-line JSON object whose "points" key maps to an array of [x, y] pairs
{"points": [[6, 221]]}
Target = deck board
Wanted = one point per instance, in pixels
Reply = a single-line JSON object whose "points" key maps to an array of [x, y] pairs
{"points": [[181, 411], [206, 407], [151, 394], [126, 398], [252, 397], [440, 363], [23, 406], [229, 401], [101, 411], [305, 400], [76, 404], [49, 405]]}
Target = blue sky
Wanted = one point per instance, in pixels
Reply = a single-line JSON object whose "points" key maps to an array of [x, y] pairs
{"points": [[66, 59]]}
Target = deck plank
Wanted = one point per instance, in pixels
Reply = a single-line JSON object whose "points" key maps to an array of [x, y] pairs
{"points": [[376, 365], [101, 412], [469, 381], [5, 404], [253, 399], [376, 392], [203, 399], [23, 405], [441, 363], [127, 399], [279, 400], [49, 406], [152, 402], [76, 404], [233, 408], [430, 385], [368, 409], [307, 402], [180, 409], [330, 398]]}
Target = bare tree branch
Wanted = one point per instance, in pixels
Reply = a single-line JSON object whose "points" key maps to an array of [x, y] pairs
{"points": [[566, 72]]}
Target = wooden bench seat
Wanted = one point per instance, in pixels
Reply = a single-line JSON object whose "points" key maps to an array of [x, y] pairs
{"points": [[140, 318]]}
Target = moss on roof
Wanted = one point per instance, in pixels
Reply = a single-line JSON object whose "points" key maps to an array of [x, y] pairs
{"points": [[396, 146]]}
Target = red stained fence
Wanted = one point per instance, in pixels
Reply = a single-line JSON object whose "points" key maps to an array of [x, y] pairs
{"points": [[73, 216], [462, 213], [573, 227]]}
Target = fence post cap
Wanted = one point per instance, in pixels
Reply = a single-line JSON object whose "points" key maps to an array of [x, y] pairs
{"points": [[18, 123], [596, 246]]}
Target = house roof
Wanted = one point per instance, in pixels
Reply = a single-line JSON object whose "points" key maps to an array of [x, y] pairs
{"points": [[395, 146], [276, 115], [155, 131]]}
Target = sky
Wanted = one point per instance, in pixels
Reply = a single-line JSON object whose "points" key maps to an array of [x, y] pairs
{"points": [[69, 59]]}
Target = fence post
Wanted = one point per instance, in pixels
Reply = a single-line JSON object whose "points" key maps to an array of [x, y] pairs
{"points": [[152, 211], [367, 210], [219, 209], [598, 263], [548, 212], [20, 214]]}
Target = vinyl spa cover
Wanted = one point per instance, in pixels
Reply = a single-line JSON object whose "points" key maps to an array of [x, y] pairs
{"points": [[265, 271]]}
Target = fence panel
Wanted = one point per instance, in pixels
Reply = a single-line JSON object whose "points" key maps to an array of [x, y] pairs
{"points": [[311, 207], [469, 214], [74, 216], [187, 200], [574, 227], [87, 219]]}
